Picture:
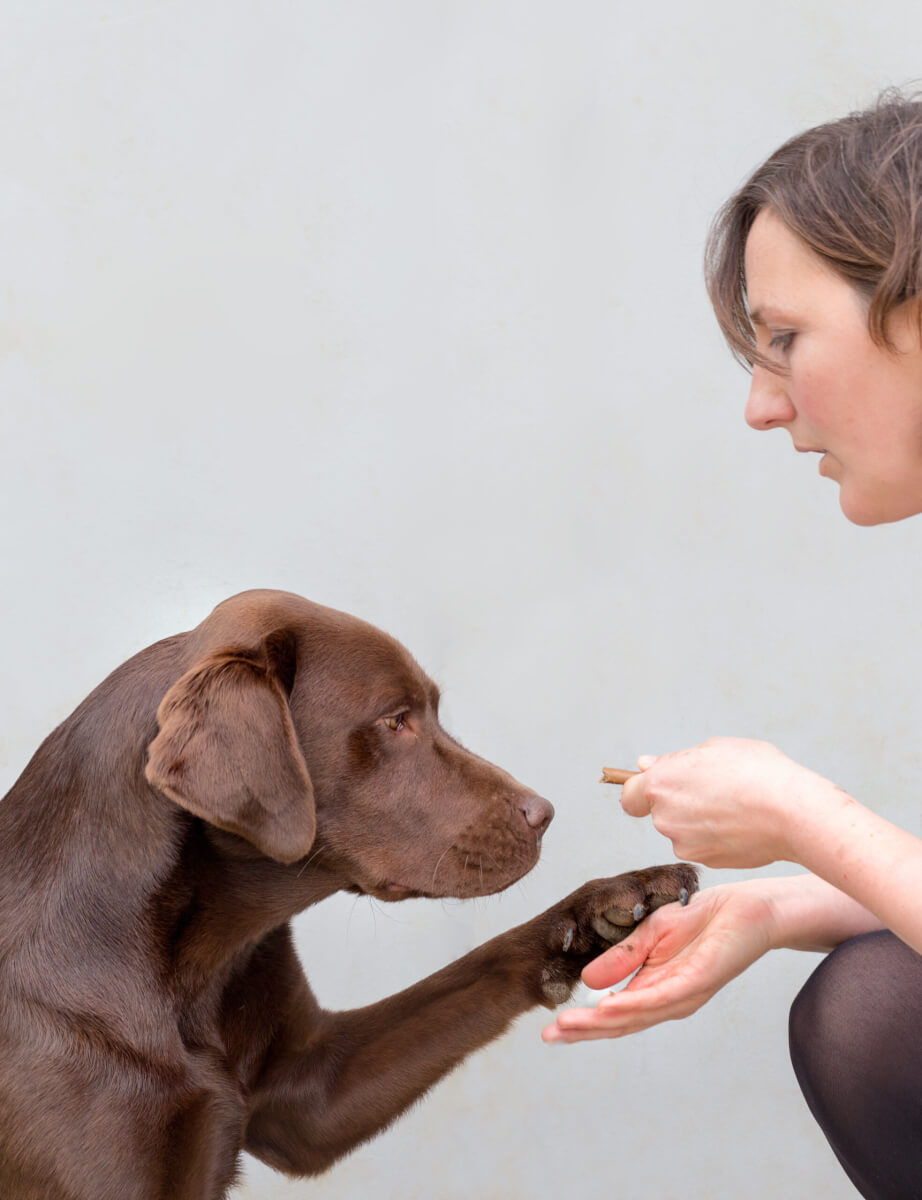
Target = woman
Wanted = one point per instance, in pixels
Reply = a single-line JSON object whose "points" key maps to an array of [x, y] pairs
{"points": [[814, 270]]}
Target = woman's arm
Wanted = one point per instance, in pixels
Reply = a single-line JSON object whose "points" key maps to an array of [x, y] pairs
{"points": [[688, 954], [875, 863], [736, 803], [807, 913]]}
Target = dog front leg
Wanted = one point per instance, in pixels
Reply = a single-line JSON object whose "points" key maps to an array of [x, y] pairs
{"points": [[335, 1082]]}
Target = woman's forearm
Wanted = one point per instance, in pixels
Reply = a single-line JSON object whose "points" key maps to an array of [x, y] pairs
{"points": [[875, 863], [807, 913]]}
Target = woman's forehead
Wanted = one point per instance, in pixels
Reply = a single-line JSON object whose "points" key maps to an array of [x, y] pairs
{"points": [[781, 270]]}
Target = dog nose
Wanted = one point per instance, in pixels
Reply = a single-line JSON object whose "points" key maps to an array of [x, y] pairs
{"points": [[538, 812]]}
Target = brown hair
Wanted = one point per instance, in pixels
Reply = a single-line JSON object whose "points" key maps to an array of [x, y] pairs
{"points": [[852, 190]]}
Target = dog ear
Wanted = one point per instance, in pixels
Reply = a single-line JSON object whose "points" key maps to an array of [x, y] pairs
{"points": [[227, 752]]}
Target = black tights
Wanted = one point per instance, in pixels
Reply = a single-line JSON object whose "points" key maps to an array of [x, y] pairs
{"points": [[856, 1046]]}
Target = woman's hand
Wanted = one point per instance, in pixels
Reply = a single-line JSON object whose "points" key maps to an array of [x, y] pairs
{"points": [[728, 802], [686, 955]]}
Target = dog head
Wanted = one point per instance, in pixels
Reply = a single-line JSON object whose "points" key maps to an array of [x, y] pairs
{"points": [[306, 731]]}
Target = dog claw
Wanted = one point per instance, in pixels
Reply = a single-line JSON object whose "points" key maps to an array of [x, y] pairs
{"points": [[568, 940], [639, 910], [683, 896]]}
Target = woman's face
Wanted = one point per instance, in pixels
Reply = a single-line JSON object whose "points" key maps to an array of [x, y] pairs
{"points": [[841, 395]]}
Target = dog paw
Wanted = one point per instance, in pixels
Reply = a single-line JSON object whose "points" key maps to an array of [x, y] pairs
{"points": [[601, 914]]}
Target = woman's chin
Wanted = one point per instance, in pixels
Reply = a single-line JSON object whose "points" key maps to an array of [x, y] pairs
{"points": [[862, 513], [875, 510]]}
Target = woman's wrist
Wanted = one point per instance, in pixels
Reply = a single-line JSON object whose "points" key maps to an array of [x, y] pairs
{"points": [[813, 807], [804, 912]]}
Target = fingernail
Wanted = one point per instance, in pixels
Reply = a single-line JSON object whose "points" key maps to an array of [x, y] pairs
{"points": [[646, 760]]}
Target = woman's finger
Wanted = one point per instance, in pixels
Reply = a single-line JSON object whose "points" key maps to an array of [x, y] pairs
{"points": [[621, 960], [633, 797], [665, 992], [584, 1024]]}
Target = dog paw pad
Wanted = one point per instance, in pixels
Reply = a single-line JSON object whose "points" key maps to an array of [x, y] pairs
{"points": [[555, 991]]}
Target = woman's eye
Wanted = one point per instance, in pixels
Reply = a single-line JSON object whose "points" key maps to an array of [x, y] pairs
{"points": [[781, 341], [396, 723]]}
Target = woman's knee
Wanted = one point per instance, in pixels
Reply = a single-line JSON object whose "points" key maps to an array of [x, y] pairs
{"points": [[857, 1057], [856, 998], [825, 1011]]}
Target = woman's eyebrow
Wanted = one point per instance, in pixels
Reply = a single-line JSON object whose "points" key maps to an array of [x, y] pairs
{"points": [[762, 316]]}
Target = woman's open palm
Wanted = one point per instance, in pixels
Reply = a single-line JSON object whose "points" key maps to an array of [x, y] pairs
{"points": [[686, 955]]}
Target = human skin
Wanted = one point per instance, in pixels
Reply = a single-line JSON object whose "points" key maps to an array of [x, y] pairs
{"points": [[688, 954], [835, 390], [737, 803]]}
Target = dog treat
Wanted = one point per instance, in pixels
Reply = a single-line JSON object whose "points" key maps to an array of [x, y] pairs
{"points": [[616, 775]]}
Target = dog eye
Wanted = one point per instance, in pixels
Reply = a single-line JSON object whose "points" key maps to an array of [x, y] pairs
{"points": [[395, 722]]}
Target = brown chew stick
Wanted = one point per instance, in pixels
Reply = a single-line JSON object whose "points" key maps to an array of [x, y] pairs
{"points": [[616, 775]]}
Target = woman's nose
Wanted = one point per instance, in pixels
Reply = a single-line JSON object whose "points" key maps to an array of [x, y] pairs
{"points": [[768, 405]]}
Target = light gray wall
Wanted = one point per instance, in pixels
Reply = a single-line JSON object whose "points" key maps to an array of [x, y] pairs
{"points": [[399, 305]]}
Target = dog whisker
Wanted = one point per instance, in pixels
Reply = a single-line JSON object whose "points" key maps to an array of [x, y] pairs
{"points": [[307, 862], [493, 861], [437, 865], [351, 913]]}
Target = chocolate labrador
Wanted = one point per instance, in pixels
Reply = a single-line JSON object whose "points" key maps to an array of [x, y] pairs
{"points": [[154, 1017]]}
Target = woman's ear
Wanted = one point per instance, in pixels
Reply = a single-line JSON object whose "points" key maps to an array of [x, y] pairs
{"points": [[227, 752]]}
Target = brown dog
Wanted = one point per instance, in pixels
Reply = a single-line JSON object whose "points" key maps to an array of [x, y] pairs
{"points": [[154, 1018]]}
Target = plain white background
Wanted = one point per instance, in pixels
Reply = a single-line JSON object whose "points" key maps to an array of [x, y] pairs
{"points": [[398, 305]]}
